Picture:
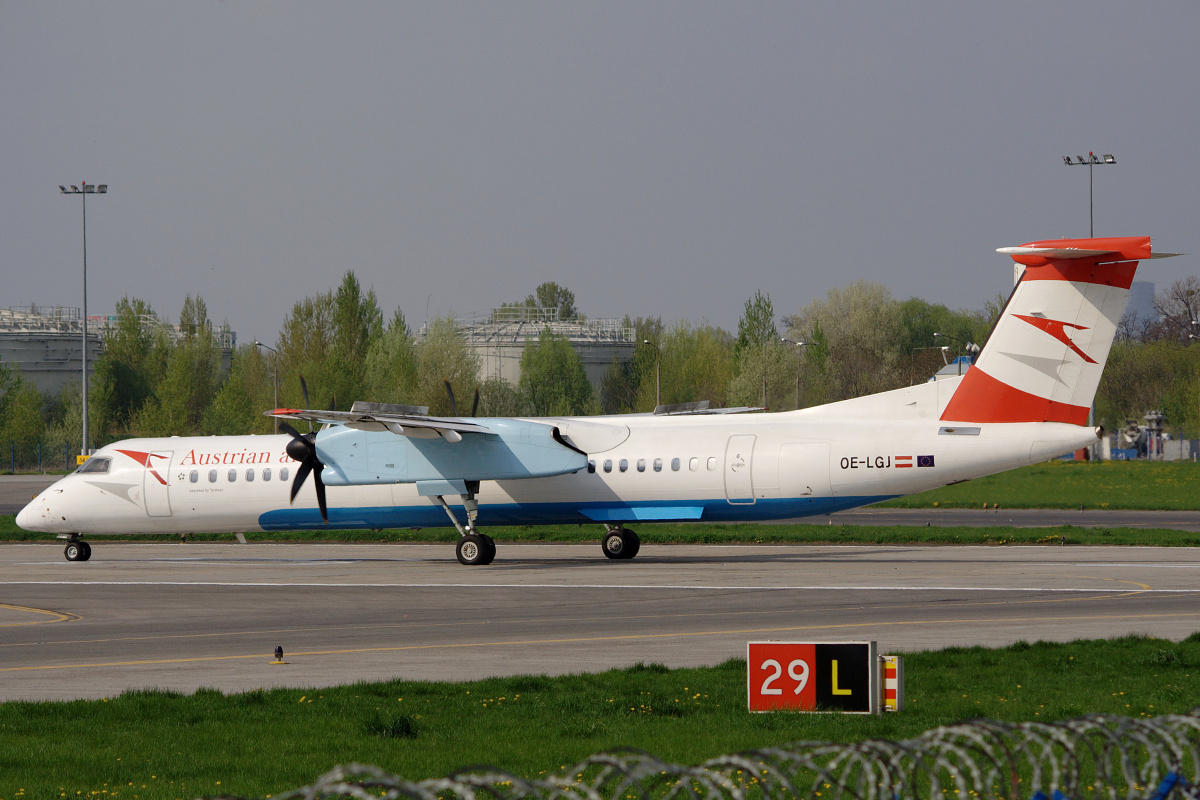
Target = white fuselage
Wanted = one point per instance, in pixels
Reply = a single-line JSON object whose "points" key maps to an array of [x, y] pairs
{"points": [[722, 468]]}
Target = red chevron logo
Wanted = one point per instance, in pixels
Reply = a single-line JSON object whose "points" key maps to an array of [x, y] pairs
{"points": [[1058, 331], [144, 460]]}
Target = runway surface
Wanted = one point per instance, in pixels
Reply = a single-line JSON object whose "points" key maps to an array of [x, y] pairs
{"points": [[186, 616]]}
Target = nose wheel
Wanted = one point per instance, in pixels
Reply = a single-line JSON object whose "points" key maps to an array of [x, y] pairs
{"points": [[77, 551], [620, 544]]}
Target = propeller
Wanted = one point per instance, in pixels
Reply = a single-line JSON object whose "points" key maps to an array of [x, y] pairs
{"points": [[307, 405], [454, 405], [304, 449]]}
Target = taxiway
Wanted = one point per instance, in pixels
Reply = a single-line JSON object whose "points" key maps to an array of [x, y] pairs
{"points": [[186, 616]]}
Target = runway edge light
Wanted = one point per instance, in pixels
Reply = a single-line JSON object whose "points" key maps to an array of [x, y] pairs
{"points": [[893, 683]]}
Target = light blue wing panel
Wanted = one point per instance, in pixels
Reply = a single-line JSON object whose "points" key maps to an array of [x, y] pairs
{"points": [[512, 449]]}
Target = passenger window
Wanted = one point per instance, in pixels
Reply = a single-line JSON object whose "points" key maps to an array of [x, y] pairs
{"points": [[694, 464], [675, 465], [641, 465], [266, 473], [712, 463], [212, 476], [658, 465], [250, 475], [608, 465], [233, 476], [194, 476], [591, 466], [624, 464], [283, 473]]}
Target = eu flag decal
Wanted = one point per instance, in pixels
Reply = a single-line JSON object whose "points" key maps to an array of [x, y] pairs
{"points": [[924, 461]]}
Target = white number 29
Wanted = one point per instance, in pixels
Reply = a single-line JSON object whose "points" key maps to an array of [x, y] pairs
{"points": [[798, 666]]}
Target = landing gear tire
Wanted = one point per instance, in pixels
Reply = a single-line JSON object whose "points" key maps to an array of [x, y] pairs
{"points": [[490, 544], [78, 551], [475, 550], [621, 544]]}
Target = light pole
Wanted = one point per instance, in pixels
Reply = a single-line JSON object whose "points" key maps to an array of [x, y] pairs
{"points": [[275, 362], [968, 347], [1091, 161], [799, 355], [657, 372], [88, 188]]}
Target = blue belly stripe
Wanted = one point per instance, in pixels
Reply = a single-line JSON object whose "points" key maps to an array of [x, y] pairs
{"points": [[432, 516]]}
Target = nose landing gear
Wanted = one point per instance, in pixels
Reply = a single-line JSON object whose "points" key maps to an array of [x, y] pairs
{"points": [[77, 550]]}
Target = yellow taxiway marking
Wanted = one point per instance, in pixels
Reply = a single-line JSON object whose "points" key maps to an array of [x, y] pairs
{"points": [[584, 639], [59, 616]]}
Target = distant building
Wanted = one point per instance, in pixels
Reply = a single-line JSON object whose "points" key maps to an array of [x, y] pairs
{"points": [[45, 342], [1140, 305], [498, 339]]}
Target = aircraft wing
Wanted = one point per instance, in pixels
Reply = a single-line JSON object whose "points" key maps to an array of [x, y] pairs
{"points": [[418, 426]]}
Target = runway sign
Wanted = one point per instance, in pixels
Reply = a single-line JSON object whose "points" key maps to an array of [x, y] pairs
{"points": [[840, 677]]}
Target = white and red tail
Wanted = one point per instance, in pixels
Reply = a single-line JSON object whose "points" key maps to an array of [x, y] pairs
{"points": [[1043, 360]]}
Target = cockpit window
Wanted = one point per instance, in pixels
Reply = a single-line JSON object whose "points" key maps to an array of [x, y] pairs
{"points": [[96, 465]]}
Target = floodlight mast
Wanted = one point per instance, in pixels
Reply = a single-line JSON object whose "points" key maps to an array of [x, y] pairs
{"points": [[1091, 161], [88, 188]]}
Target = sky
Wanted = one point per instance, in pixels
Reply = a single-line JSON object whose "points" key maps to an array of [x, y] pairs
{"points": [[657, 158]]}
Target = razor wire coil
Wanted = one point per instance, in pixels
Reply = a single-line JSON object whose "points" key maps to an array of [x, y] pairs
{"points": [[1098, 755]]}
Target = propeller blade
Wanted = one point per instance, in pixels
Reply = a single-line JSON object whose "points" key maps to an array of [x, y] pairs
{"points": [[450, 391], [307, 405], [475, 405], [305, 467], [320, 486], [289, 430]]}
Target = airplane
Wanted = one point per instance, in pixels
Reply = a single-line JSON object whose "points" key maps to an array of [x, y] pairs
{"points": [[1025, 400]]}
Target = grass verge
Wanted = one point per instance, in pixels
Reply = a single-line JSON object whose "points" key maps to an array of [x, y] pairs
{"points": [[150, 744], [1138, 485]]}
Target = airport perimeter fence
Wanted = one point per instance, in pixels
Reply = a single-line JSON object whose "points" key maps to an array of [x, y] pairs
{"points": [[1097, 756], [37, 456]]}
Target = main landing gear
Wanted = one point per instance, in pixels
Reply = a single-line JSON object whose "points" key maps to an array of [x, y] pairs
{"points": [[77, 550], [473, 548], [620, 543]]}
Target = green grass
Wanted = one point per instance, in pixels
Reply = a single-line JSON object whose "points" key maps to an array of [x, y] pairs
{"points": [[1144, 485], [149, 744], [691, 533]]}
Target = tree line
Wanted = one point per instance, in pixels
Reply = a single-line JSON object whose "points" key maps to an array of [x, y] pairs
{"points": [[856, 340]]}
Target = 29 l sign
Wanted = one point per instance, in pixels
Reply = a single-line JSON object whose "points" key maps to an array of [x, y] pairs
{"points": [[813, 676]]}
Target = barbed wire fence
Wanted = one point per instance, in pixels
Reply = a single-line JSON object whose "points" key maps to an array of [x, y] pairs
{"points": [[1098, 755]]}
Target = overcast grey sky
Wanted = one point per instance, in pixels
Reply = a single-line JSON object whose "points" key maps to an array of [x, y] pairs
{"points": [[656, 158]]}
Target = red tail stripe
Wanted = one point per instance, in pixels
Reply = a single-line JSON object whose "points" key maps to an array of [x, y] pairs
{"points": [[1119, 275], [982, 398]]}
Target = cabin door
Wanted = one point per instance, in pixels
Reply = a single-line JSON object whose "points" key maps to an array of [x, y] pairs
{"points": [[156, 486], [739, 485]]}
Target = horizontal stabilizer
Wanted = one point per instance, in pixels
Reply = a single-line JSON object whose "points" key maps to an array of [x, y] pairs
{"points": [[1052, 252], [1070, 252]]}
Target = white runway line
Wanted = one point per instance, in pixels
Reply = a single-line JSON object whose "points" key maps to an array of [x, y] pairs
{"points": [[661, 587]]}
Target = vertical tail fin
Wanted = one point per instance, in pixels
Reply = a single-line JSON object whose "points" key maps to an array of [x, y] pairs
{"points": [[1043, 360]]}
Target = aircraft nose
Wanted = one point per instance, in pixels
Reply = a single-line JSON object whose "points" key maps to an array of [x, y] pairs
{"points": [[35, 515]]}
